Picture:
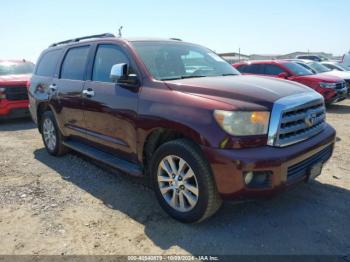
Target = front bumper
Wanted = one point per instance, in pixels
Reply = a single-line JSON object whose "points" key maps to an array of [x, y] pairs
{"points": [[13, 109], [228, 166]]}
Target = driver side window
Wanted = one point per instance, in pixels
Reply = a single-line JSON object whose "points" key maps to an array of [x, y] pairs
{"points": [[106, 57]]}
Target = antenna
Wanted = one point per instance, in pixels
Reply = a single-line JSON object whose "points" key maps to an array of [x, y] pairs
{"points": [[120, 31]]}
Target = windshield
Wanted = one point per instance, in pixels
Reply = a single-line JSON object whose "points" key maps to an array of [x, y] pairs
{"points": [[170, 61], [318, 68], [298, 69], [11, 68], [342, 67]]}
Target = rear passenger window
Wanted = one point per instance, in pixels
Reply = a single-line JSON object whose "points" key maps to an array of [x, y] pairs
{"points": [[74, 63], [106, 57], [254, 69], [48, 62], [273, 70]]}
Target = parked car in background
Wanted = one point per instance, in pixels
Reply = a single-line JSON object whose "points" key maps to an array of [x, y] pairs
{"points": [[312, 57], [333, 65], [320, 69], [199, 135], [332, 88], [14, 77], [345, 61]]}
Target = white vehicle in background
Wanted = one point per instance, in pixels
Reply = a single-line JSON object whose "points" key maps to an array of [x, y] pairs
{"points": [[334, 65], [346, 60]]}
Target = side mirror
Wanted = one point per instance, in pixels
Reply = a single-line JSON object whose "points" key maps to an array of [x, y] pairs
{"points": [[283, 75], [118, 72], [120, 75]]}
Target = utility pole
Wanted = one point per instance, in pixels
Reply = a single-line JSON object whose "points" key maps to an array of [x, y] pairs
{"points": [[120, 31], [239, 54]]}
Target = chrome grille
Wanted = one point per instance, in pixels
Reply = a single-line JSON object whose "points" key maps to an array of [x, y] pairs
{"points": [[296, 118], [340, 85]]}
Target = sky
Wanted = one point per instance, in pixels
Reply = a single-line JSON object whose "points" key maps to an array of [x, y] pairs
{"points": [[254, 26]]}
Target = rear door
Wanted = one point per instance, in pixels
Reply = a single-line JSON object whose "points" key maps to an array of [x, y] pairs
{"points": [[43, 77], [69, 87]]}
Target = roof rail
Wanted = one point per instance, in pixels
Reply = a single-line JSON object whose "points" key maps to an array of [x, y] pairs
{"points": [[82, 38]]}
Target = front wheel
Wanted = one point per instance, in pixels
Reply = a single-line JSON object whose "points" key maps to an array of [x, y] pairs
{"points": [[183, 182]]}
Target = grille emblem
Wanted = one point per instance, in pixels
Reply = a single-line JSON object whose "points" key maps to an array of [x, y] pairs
{"points": [[310, 118]]}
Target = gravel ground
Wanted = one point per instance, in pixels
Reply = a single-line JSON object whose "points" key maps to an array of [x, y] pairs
{"points": [[70, 206]]}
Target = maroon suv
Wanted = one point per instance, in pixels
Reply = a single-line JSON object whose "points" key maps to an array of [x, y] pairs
{"points": [[179, 115]]}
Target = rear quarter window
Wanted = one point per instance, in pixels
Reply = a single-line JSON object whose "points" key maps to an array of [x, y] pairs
{"points": [[48, 63]]}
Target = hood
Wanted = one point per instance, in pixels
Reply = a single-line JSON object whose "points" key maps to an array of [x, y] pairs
{"points": [[341, 74], [320, 78], [240, 89], [14, 79]]}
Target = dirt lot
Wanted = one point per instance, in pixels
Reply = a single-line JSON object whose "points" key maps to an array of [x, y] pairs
{"points": [[68, 206]]}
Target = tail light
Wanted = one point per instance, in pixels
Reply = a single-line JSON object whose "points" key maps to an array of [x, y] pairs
{"points": [[2, 93]]}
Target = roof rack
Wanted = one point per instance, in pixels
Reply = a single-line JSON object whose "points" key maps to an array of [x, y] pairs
{"points": [[74, 40]]}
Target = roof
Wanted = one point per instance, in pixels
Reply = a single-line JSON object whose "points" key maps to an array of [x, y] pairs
{"points": [[264, 61]]}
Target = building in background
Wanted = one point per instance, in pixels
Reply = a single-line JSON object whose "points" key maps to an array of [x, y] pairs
{"points": [[236, 57]]}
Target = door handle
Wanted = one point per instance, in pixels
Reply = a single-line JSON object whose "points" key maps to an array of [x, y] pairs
{"points": [[89, 92], [53, 87]]}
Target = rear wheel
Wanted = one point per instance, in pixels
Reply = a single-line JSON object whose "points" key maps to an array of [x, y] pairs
{"points": [[183, 182], [51, 135]]}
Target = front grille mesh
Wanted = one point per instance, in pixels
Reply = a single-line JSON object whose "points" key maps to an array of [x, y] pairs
{"points": [[15, 93], [340, 85], [302, 168], [294, 126]]}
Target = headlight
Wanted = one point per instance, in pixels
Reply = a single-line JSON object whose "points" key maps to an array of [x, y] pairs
{"points": [[328, 85], [243, 123]]}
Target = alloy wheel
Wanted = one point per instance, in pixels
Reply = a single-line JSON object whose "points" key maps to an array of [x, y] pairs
{"points": [[177, 183]]}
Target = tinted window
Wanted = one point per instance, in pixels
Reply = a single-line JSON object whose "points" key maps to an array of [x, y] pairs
{"points": [[106, 57], [254, 69], [273, 70], [48, 62], [73, 66]]}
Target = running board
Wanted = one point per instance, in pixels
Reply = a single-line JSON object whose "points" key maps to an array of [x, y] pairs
{"points": [[105, 158]]}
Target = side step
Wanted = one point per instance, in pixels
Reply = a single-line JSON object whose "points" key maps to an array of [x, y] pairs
{"points": [[105, 158]]}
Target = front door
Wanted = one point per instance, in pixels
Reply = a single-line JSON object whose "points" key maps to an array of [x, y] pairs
{"points": [[110, 110]]}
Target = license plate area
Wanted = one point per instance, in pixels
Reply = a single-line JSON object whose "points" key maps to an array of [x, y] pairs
{"points": [[315, 171]]}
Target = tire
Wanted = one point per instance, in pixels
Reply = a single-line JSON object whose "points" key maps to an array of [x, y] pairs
{"points": [[54, 145], [193, 196]]}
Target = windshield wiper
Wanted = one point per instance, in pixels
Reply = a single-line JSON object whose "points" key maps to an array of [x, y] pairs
{"points": [[180, 77], [229, 74]]}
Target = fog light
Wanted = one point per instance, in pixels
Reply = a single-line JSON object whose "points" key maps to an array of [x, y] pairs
{"points": [[248, 177], [257, 179]]}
